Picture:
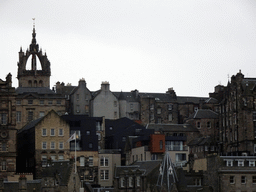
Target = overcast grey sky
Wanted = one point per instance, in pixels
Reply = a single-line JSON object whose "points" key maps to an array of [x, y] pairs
{"points": [[149, 45]]}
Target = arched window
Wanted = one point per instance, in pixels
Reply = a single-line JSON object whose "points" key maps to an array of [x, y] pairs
{"points": [[35, 83], [40, 83], [30, 83]]}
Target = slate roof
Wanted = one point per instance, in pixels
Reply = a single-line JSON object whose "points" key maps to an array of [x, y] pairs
{"points": [[166, 97], [184, 99], [200, 141], [248, 85], [204, 114], [30, 125], [146, 167], [59, 169], [33, 123], [173, 127], [128, 96]]}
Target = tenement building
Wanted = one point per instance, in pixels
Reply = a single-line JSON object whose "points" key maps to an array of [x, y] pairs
{"points": [[34, 96], [7, 128], [237, 110]]}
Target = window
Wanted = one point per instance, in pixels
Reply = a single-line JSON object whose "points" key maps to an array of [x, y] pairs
{"points": [[208, 124], [232, 179], [78, 108], [50, 102], [131, 107], [161, 144], [240, 163], [41, 102], [18, 102], [138, 181], [198, 181], [18, 116], [90, 161], [180, 157], [61, 157], [44, 145], [88, 132], [154, 157], [44, 160], [77, 96], [229, 163], [122, 182], [243, 180], [115, 103], [98, 126], [104, 161], [198, 125], [158, 110], [115, 114], [30, 115], [170, 117], [4, 147], [151, 106], [52, 145], [61, 145], [82, 159], [30, 101], [58, 102], [170, 107], [3, 118], [41, 114], [130, 182], [254, 179], [4, 166], [53, 157], [90, 145], [254, 115], [104, 174], [52, 132], [251, 163], [61, 132], [44, 132], [152, 116], [159, 120]]}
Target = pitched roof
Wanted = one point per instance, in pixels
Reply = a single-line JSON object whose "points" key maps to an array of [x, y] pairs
{"points": [[33, 123], [59, 169], [204, 114], [184, 99], [173, 127], [200, 141], [145, 167], [166, 97]]}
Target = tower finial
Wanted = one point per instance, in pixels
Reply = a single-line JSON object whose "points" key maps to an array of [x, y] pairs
{"points": [[34, 23]]}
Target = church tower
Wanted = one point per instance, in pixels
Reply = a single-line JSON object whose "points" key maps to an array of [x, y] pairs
{"points": [[39, 73]]}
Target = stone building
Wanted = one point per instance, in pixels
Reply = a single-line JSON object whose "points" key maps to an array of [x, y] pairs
{"points": [[105, 103], [108, 159], [34, 96], [7, 128], [237, 108], [206, 121], [159, 108], [42, 141], [80, 99]]}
